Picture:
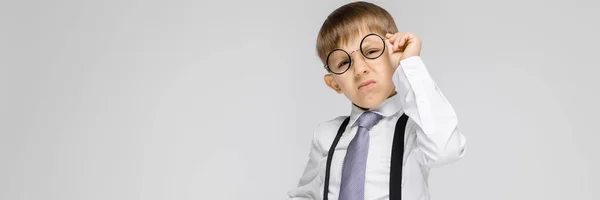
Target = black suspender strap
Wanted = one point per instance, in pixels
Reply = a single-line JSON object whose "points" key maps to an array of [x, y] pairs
{"points": [[396, 159], [330, 156]]}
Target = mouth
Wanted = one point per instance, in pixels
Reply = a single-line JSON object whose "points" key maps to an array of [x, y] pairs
{"points": [[367, 84]]}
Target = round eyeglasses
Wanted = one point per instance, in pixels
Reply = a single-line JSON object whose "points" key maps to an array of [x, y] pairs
{"points": [[339, 61]]}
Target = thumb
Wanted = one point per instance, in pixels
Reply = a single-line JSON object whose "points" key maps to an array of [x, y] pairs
{"points": [[393, 55], [388, 46]]}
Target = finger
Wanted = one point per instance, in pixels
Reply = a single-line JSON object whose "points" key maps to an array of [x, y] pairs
{"points": [[399, 42], [396, 36], [392, 40], [405, 40], [396, 40], [389, 45], [388, 35], [411, 35], [392, 36], [402, 41], [388, 41]]}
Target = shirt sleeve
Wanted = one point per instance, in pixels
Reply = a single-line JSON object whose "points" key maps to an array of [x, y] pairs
{"points": [[437, 136], [309, 184]]}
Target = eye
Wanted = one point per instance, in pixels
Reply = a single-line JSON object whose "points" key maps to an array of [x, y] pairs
{"points": [[343, 63], [372, 51]]}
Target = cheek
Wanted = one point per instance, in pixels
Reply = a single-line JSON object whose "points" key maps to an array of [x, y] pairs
{"points": [[383, 67], [345, 82]]}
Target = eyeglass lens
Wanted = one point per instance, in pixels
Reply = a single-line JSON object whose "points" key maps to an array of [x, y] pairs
{"points": [[371, 47]]}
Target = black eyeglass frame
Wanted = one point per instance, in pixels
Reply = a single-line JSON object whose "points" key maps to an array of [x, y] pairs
{"points": [[350, 58]]}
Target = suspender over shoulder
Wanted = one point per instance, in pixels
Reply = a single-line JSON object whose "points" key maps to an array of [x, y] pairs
{"points": [[396, 159]]}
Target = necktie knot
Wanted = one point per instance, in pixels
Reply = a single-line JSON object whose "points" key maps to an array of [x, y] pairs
{"points": [[368, 119]]}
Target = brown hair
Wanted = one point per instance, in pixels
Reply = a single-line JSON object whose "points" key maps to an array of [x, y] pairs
{"points": [[346, 22]]}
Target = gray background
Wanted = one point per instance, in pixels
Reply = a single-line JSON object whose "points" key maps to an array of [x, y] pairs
{"points": [[218, 99]]}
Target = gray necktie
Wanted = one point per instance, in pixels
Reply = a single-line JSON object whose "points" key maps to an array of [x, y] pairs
{"points": [[352, 186]]}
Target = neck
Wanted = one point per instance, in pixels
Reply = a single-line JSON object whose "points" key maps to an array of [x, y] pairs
{"points": [[391, 95]]}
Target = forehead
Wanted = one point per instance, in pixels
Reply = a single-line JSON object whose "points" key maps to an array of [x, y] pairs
{"points": [[351, 41]]}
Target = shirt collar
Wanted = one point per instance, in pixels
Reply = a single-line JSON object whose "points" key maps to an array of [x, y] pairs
{"points": [[387, 108]]}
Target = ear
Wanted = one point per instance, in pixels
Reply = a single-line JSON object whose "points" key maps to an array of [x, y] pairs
{"points": [[330, 81]]}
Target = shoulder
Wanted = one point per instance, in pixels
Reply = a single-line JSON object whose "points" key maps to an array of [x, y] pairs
{"points": [[327, 126], [411, 126], [325, 132]]}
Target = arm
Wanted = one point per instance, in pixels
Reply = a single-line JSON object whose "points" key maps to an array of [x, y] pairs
{"points": [[309, 184], [438, 138]]}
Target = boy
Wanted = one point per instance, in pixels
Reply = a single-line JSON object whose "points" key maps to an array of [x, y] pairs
{"points": [[400, 123]]}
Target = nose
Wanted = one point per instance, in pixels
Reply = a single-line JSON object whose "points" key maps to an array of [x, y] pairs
{"points": [[359, 64]]}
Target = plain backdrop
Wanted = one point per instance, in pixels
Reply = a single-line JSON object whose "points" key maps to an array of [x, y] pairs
{"points": [[175, 99]]}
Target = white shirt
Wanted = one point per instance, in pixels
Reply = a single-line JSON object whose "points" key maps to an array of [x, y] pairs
{"points": [[431, 139]]}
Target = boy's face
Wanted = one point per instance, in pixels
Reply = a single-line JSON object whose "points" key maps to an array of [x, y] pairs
{"points": [[367, 82]]}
